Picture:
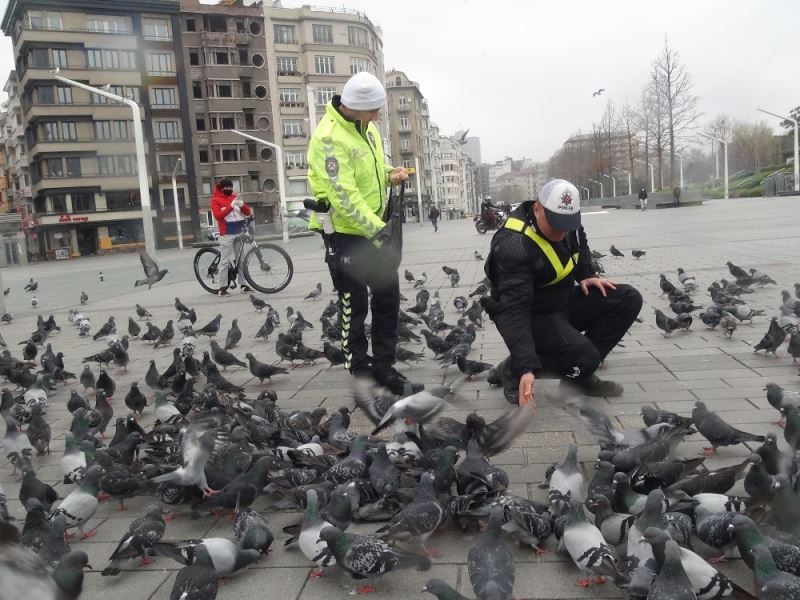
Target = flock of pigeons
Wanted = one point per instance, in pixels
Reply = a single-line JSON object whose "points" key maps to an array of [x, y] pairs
{"points": [[213, 446]]}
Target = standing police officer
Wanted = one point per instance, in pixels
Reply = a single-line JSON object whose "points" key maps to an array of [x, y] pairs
{"points": [[346, 170]]}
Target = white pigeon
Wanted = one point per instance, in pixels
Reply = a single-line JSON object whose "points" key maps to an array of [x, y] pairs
{"points": [[418, 407], [587, 548], [81, 503], [196, 446], [311, 545]]}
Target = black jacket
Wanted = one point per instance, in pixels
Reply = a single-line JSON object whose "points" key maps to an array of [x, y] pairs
{"points": [[519, 272], [642, 194]]}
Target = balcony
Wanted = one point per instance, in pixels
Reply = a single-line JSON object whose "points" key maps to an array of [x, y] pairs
{"points": [[408, 150], [22, 193], [224, 38], [403, 107]]}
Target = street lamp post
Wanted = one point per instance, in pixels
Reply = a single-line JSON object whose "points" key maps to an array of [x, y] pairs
{"points": [[725, 150], [652, 174], [680, 156], [796, 161], [588, 195], [419, 189], [613, 184], [601, 187], [281, 190], [141, 161], [175, 202], [630, 188]]}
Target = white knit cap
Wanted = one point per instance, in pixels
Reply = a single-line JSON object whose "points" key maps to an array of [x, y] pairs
{"points": [[363, 91]]}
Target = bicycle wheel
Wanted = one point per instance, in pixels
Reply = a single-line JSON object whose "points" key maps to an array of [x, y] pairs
{"points": [[206, 263], [268, 268]]}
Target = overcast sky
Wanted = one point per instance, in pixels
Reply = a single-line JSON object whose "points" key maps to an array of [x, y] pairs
{"points": [[520, 74]]}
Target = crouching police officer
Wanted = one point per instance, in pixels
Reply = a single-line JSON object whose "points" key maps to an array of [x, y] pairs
{"points": [[553, 311]]}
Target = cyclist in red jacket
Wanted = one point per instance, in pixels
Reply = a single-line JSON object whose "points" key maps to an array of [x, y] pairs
{"points": [[231, 214]]}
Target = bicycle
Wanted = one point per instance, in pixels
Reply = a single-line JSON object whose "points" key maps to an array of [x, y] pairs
{"points": [[266, 267]]}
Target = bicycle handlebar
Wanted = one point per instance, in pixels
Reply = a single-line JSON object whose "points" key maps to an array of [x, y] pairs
{"points": [[316, 205]]}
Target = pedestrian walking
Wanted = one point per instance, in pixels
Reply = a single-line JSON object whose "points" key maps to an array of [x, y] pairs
{"points": [[643, 199], [434, 218]]}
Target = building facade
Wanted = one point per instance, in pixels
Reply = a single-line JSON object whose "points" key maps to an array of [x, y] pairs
{"points": [[227, 80], [459, 178], [312, 53], [82, 160]]}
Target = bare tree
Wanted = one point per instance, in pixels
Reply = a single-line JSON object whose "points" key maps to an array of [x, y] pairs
{"points": [[720, 127], [629, 122], [645, 124], [656, 107], [677, 99]]}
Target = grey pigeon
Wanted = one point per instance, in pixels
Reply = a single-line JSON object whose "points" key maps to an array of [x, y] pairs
{"points": [[773, 339], [251, 530], [108, 328], [152, 274], [211, 328], [587, 548], [143, 533], [84, 298], [197, 581], [368, 556], [167, 334], [262, 370], [651, 516], [566, 483], [615, 252], [419, 519], [717, 431], [223, 357], [315, 293], [34, 489], [309, 539], [257, 303], [442, 590], [748, 536], [233, 336], [81, 504], [383, 475], [665, 323], [671, 582], [226, 556], [770, 583], [490, 563], [419, 407], [134, 329], [142, 312], [135, 400]]}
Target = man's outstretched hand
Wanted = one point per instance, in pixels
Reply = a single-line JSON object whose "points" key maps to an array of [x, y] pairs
{"points": [[597, 282], [526, 391]]}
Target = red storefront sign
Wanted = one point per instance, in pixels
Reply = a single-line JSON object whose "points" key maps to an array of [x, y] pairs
{"points": [[72, 219]]}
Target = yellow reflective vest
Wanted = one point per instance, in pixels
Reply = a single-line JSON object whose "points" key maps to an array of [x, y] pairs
{"points": [[346, 168]]}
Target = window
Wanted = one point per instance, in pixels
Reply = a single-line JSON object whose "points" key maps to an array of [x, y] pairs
{"points": [[220, 89], [249, 119], [50, 132], [35, 19], [166, 130], [203, 152], [240, 26], [122, 130], [124, 91], [197, 89], [167, 162], [296, 160], [102, 130], [94, 59], [58, 58], [298, 187], [405, 144], [200, 122], [284, 34], [83, 202], [117, 165], [358, 64], [55, 167], [292, 128], [110, 59], [190, 24], [194, 57], [243, 55], [45, 95], [39, 57], [322, 34], [222, 121], [73, 166], [126, 232], [168, 202], [63, 95], [357, 37], [106, 24], [247, 87], [205, 186], [163, 96], [289, 95], [403, 102], [122, 200], [404, 123], [325, 94], [323, 65], [406, 164], [229, 153], [156, 29], [69, 131], [287, 65], [59, 203], [160, 63], [39, 19], [217, 56], [216, 23]]}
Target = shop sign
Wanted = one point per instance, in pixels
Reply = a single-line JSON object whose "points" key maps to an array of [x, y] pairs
{"points": [[72, 219]]}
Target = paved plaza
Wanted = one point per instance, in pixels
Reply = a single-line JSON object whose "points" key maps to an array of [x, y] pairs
{"points": [[671, 373]]}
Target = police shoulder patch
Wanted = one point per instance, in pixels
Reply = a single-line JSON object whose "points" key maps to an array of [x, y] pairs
{"points": [[332, 166]]}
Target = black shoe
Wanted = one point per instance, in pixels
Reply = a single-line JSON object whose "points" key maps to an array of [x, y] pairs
{"points": [[395, 381], [595, 387], [245, 288], [223, 293]]}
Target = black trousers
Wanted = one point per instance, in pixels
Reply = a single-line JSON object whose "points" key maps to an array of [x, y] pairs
{"points": [[564, 350], [362, 268]]}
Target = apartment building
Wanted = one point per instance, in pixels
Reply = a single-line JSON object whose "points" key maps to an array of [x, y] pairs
{"points": [[459, 178], [227, 80], [312, 52], [82, 165], [409, 131]]}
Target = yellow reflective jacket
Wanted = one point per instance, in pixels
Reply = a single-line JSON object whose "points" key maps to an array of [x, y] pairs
{"points": [[346, 168]]}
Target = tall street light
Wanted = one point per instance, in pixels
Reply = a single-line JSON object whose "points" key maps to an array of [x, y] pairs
{"points": [[796, 162], [630, 188], [141, 161], [680, 156], [601, 186], [175, 202], [281, 190], [652, 174], [613, 184], [725, 150], [588, 195]]}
